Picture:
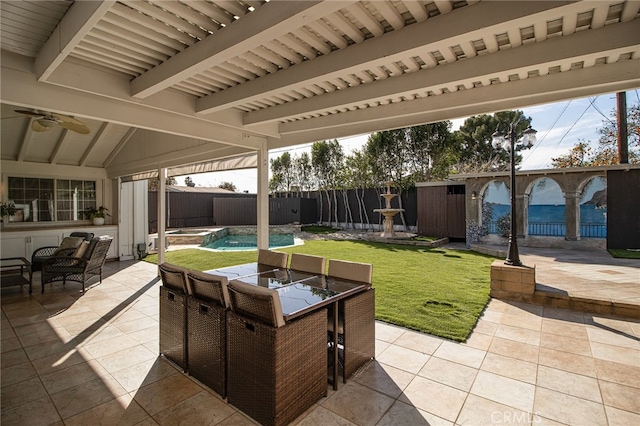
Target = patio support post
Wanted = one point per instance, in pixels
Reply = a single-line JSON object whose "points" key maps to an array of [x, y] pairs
{"points": [[572, 216], [162, 213], [263, 197]]}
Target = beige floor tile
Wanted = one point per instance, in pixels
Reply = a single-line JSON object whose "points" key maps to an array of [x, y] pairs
{"points": [[38, 412], [57, 334], [615, 353], [388, 333], [530, 322], [202, 408], [381, 347], [384, 379], [617, 417], [17, 373], [322, 416], [434, 398], [109, 346], [615, 372], [403, 358], [481, 411], [465, 355], [510, 367], [479, 341], [568, 409], [358, 404], [126, 358], [485, 327], [565, 344], [137, 325], [122, 411], [85, 318], [514, 349], [145, 373], [491, 316], [504, 390], [609, 337], [620, 396], [21, 393], [10, 344], [564, 315], [11, 358], [49, 348], [60, 361], [238, 419], [567, 361], [405, 414], [85, 396], [127, 315], [449, 373], [99, 334], [420, 342], [563, 328], [165, 393], [518, 334], [570, 383], [145, 335], [72, 376]]}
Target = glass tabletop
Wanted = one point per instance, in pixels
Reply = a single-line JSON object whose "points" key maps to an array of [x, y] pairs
{"points": [[239, 271], [275, 279], [314, 292]]}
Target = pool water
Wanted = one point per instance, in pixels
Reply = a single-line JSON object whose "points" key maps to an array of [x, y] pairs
{"points": [[249, 242]]}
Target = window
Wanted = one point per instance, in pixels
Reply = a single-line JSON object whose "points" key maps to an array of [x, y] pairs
{"points": [[46, 200]]}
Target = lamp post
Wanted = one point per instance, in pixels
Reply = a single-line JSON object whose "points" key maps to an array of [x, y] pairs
{"points": [[507, 141]]}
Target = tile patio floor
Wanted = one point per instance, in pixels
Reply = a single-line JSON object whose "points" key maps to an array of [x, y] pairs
{"points": [[94, 359]]}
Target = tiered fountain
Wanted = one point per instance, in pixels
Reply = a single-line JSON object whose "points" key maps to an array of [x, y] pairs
{"points": [[388, 213]]}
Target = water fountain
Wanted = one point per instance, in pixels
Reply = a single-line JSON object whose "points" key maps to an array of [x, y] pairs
{"points": [[388, 213]]}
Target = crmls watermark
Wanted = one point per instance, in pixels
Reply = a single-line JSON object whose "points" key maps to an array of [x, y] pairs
{"points": [[514, 417]]}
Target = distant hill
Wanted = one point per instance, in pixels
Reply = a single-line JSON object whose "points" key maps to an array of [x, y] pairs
{"points": [[599, 198]]}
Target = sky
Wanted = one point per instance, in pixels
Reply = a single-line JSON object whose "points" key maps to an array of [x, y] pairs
{"points": [[560, 126]]}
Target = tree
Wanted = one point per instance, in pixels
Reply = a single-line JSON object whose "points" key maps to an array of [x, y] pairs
{"points": [[281, 173], [303, 172], [327, 158], [228, 186], [189, 182], [475, 135], [605, 152], [152, 184]]}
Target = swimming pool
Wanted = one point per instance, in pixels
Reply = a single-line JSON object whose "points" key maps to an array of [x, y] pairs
{"points": [[249, 242]]}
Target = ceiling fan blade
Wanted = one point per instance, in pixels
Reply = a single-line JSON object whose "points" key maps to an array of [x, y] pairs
{"points": [[26, 112], [66, 119], [78, 128], [37, 127]]}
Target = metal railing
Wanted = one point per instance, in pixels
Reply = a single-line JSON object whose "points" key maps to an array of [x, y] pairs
{"points": [[557, 229]]}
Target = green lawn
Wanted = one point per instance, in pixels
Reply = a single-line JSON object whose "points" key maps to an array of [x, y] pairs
{"points": [[434, 290], [625, 253]]}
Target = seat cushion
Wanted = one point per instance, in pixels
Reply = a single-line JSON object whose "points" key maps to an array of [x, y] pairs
{"points": [[262, 304]]}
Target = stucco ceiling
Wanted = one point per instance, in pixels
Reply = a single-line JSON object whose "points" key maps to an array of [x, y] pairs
{"points": [[245, 73]]}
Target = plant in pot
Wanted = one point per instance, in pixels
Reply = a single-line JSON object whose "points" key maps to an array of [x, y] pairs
{"points": [[96, 215], [7, 209]]}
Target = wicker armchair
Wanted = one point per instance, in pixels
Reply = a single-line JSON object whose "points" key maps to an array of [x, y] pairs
{"points": [[276, 370], [273, 258], [308, 263], [173, 314], [66, 248], [87, 260], [207, 307], [356, 318]]}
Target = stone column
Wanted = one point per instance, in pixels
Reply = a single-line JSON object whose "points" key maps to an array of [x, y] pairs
{"points": [[522, 212], [572, 215]]}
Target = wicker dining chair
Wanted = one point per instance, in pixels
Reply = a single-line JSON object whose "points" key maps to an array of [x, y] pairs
{"points": [[356, 318], [276, 370], [207, 307], [273, 258], [173, 314], [308, 263]]}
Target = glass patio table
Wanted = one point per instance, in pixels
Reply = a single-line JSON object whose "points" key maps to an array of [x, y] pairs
{"points": [[300, 292]]}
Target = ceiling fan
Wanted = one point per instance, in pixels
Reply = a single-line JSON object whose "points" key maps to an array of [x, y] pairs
{"points": [[44, 121]]}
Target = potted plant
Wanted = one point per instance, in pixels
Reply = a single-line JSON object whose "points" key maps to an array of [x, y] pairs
{"points": [[7, 209], [96, 215]]}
